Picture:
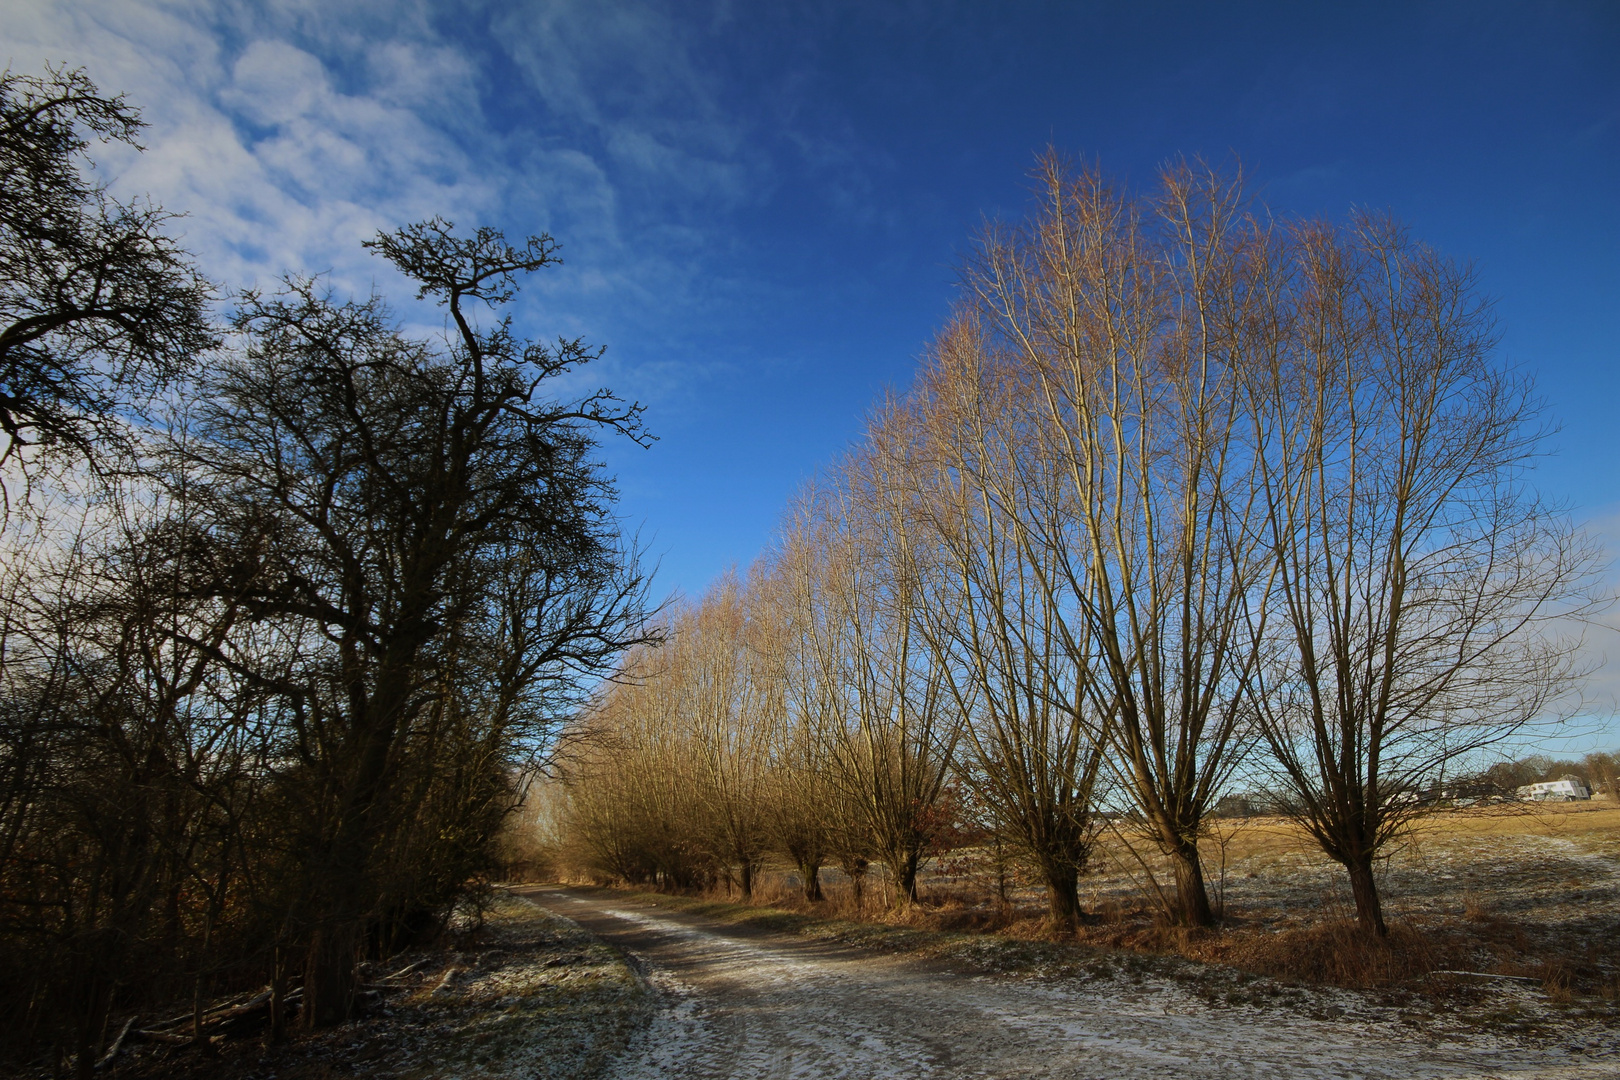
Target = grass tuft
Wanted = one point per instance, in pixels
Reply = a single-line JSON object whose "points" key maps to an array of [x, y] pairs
{"points": [[1340, 953]]}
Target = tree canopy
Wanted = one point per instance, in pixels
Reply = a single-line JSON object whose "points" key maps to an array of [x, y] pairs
{"points": [[99, 305]]}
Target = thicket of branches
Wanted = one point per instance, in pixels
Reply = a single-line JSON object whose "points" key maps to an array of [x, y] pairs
{"points": [[274, 666], [1186, 498]]}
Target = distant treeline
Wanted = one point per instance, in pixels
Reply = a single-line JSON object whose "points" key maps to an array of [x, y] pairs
{"points": [[1596, 770], [1494, 783]]}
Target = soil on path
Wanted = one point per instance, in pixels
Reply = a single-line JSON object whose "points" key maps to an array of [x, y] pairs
{"points": [[734, 1003]]}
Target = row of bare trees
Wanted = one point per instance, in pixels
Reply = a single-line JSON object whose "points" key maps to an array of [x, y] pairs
{"points": [[1182, 493], [744, 736], [280, 640]]}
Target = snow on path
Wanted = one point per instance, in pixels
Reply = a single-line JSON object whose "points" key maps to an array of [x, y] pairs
{"points": [[736, 1006]]}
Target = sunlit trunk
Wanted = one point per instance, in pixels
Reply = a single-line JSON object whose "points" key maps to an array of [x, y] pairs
{"points": [[1062, 896], [810, 875], [1192, 897], [1364, 887]]}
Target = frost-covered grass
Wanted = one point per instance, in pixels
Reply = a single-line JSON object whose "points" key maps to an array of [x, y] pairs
{"points": [[528, 996], [1522, 899], [541, 999]]}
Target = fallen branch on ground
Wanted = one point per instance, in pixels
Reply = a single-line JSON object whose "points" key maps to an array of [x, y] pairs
{"points": [[117, 1045]]}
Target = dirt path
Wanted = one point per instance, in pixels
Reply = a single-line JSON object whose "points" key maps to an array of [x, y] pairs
{"points": [[740, 1004]]}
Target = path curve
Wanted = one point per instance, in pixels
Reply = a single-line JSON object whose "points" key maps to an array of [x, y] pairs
{"points": [[737, 1004]]}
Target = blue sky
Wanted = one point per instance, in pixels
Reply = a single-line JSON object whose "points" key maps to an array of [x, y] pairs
{"points": [[761, 205]]}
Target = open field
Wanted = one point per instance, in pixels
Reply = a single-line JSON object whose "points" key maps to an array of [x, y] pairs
{"points": [[1523, 890], [1516, 890]]}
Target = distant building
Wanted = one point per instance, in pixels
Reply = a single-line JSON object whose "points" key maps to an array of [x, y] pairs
{"points": [[1568, 789]]}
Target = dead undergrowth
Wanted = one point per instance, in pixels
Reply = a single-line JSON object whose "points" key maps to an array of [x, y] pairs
{"points": [[527, 996]]}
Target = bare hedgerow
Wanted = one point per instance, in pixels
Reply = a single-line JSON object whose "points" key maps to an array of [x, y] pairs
{"points": [[890, 724]]}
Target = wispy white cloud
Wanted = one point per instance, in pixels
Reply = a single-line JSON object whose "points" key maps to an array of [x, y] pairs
{"points": [[275, 166], [1600, 633], [631, 75], [288, 131]]}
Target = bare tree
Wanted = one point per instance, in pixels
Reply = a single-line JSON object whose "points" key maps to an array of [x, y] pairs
{"points": [[891, 724], [671, 771], [1407, 622], [722, 705], [631, 812], [99, 307], [799, 792], [377, 493], [126, 763], [998, 611], [1130, 318], [1602, 769], [269, 706]]}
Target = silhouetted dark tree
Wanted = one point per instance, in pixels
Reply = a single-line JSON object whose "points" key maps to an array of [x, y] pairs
{"points": [[432, 535], [98, 304], [125, 768]]}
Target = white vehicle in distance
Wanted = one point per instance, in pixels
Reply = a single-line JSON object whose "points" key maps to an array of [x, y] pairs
{"points": [[1569, 789]]}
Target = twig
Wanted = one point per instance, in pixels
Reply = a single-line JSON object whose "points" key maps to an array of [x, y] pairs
{"points": [[1488, 975]]}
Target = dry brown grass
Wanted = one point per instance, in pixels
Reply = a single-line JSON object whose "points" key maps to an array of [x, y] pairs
{"points": [[1596, 821], [1477, 909], [1336, 953], [1288, 914]]}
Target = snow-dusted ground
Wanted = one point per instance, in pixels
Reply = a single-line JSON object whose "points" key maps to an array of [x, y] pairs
{"points": [[530, 997], [734, 1004], [1539, 878]]}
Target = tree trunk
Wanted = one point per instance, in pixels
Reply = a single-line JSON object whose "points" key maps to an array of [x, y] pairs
{"points": [[92, 1025], [810, 874], [343, 889], [329, 974], [1062, 897], [1192, 898], [903, 868], [1369, 911], [856, 872], [278, 995]]}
